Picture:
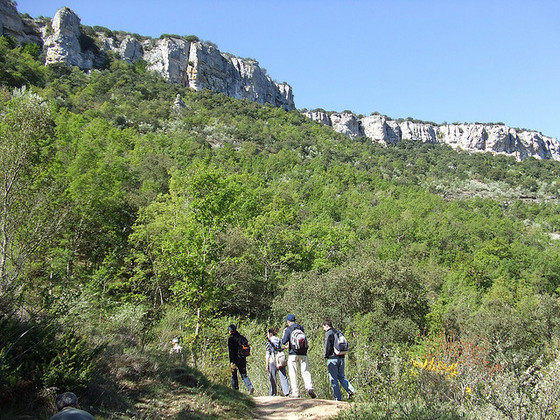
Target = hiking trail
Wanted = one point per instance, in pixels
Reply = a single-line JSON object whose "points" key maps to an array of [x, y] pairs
{"points": [[282, 408]]}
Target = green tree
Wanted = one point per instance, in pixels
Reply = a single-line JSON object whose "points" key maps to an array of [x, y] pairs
{"points": [[388, 297], [177, 240], [93, 159], [29, 196], [277, 242], [19, 65]]}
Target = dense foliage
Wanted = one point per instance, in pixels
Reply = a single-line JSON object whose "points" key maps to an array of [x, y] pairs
{"points": [[127, 220]]}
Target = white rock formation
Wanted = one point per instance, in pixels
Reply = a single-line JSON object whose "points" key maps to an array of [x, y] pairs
{"points": [[168, 57], [345, 123], [64, 43], [131, 50], [201, 65], [194, 64], [495, 138], [12, 25]]}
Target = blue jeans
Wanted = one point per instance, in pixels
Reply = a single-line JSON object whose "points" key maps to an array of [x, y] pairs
{"points": [[242, 367], [272, 369], [335, 366]]}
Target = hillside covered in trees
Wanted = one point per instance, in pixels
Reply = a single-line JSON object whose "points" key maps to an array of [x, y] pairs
{"points": [[131, 215]]}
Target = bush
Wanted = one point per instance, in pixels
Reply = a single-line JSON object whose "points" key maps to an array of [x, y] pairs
{"points": [[35, 356], [72, 363], [87, 39], [398, 411]]}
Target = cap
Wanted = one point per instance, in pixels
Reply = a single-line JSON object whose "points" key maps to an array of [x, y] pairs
{"points": [[232, 327], [291, 318]]}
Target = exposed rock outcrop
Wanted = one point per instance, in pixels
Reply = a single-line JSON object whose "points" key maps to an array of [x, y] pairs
{"points": [[201, 65], [63, 45], [192, 63], [495, 138], [130, 49], [12, 24]]}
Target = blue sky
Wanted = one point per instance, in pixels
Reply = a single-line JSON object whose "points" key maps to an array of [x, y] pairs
{"points": [[432, 60]]}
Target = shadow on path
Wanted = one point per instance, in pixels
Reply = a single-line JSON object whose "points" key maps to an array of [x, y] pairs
{"points": [[272, 408]]}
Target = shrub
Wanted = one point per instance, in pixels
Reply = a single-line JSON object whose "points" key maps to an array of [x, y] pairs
{"points": [[523, 391], [72, 363], [105, 31], [87, 39], [34, 356]]}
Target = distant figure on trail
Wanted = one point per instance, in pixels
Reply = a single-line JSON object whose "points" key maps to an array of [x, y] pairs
{"points": [[68, 408], [334, 353], [176, 348], [276, 362], [294, 336], [238, 350]]}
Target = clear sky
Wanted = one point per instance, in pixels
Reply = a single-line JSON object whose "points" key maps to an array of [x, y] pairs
{"points": [[432, 60]]}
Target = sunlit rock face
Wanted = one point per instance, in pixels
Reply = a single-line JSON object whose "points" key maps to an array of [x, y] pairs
{"points": [[195, 64], [495, 138], [200, 65], [63, 44]]}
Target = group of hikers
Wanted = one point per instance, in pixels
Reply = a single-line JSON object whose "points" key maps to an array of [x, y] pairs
{"points": [[295, 341]]}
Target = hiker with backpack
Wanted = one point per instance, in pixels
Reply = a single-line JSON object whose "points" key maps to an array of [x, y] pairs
{"points": [[336, 348], [294, 337], [276, 361], [239, 349]]}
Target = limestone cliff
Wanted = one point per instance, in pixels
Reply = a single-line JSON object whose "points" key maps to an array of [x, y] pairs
{"points": [[200, 65], [63, 44], [10, 22], [495, 138], [13, 25], [182, 60]]}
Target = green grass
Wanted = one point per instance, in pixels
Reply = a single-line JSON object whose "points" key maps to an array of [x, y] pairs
{"points": [[144, 387], [172, 392]]}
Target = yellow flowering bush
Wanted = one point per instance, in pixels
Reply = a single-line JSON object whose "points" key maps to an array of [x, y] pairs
{"points": [[439, 380], [439, 367], [450, 369]]}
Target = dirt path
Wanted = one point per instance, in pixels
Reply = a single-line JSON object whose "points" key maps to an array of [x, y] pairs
{"points": [[282, 408]]}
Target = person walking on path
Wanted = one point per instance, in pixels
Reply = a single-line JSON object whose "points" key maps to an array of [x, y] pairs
{"points": [[294, 337], [68, 408], [274, 364], [238, 360], [335, 363]]}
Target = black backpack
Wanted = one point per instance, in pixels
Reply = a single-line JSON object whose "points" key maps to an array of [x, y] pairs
{"points": [[244, 347]]}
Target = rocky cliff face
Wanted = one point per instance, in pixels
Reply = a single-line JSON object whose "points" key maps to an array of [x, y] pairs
{"points": [[201, 65], [63, 44], [495, 138], [192, 63], [13, 25], [10, 22]]}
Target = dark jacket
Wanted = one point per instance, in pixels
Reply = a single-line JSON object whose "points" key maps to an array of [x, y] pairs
{"points": [[234, 347], [71, 413], [329, 345], [288, 334]]}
